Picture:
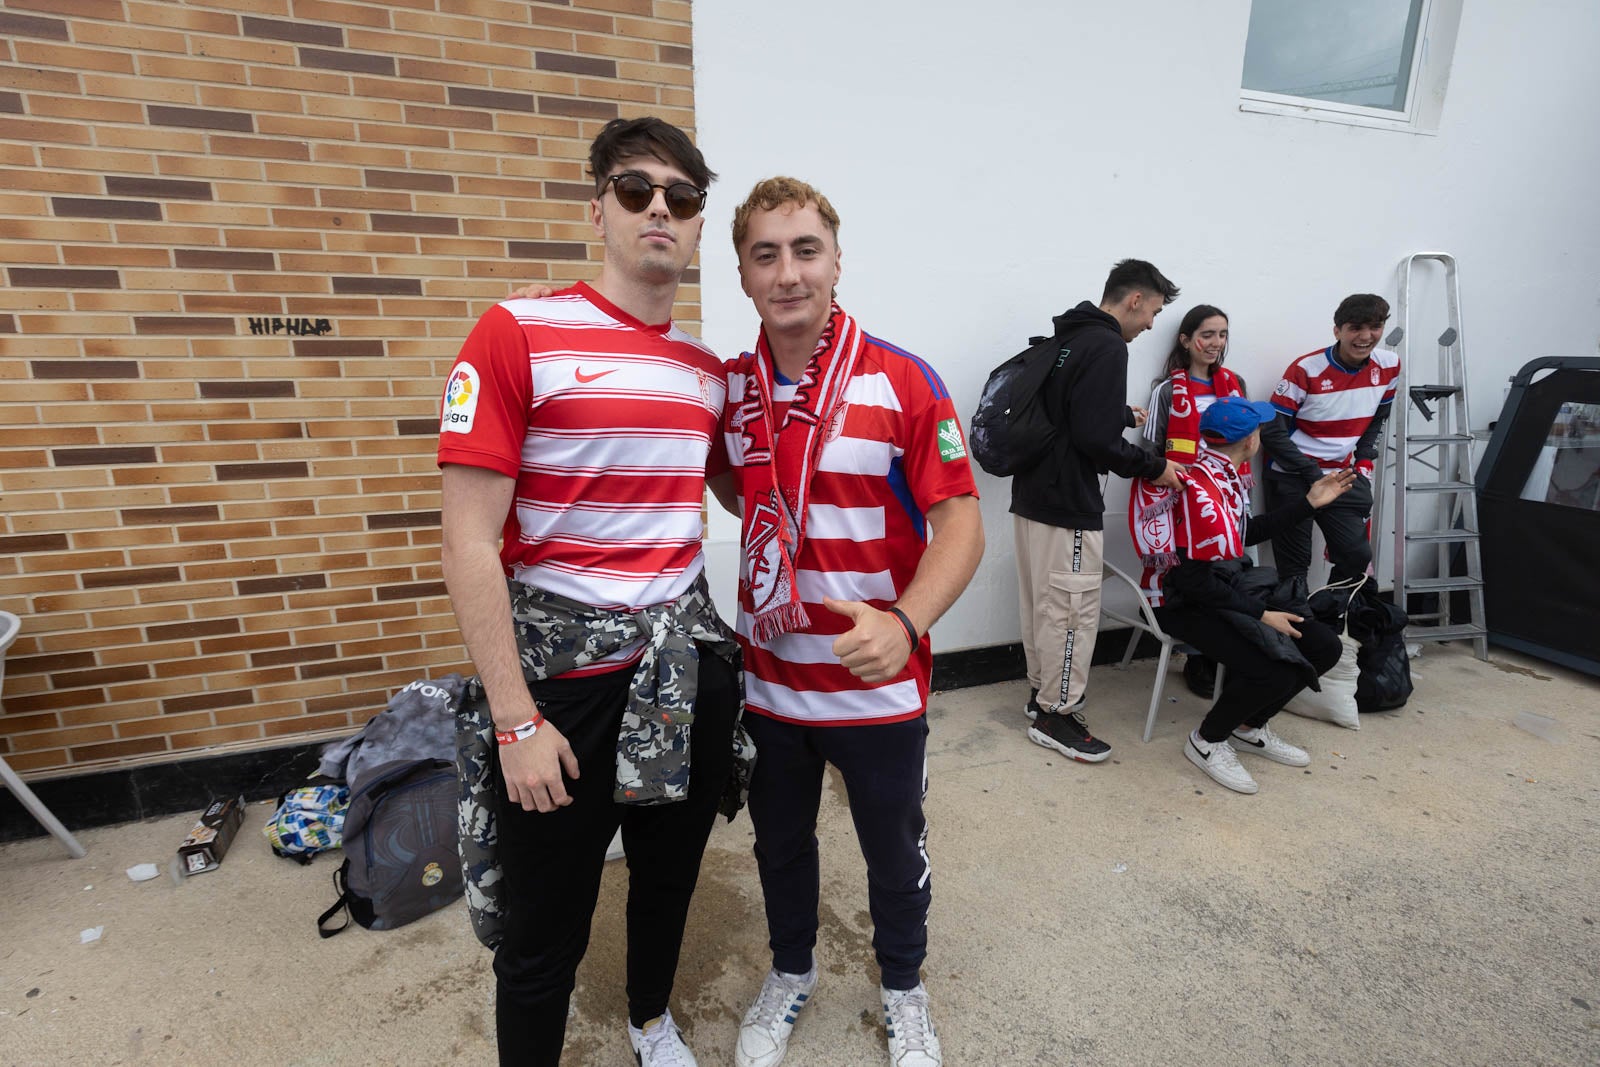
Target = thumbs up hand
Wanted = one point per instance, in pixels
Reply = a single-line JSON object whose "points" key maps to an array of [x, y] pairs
{"points": [[876, 647]]}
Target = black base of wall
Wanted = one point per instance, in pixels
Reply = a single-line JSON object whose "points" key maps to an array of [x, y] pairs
{"points": [[159, 789]]}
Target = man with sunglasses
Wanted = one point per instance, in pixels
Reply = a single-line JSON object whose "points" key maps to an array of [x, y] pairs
{"points": [[844, 450], [575, 435]]}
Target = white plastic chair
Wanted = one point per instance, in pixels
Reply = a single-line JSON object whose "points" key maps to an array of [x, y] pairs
{"points": [[1145, 622], [9, 625]]}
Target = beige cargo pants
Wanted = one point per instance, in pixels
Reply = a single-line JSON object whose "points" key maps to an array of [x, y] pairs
{"points": [[1058, 576]]}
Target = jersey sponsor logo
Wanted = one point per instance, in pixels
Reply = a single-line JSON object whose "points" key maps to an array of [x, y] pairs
{"points": [[951, 446], [1326, 383], [596, 376], [460, 399]]}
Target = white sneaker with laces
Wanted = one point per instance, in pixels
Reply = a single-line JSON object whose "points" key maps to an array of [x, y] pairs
{"points": [[660, 1044], [1219, 761], [764, 1034], [912, 1041], [1263, 742]]}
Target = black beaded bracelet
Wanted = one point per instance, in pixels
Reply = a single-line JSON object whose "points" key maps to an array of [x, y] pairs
{"points": [[911, 631]]}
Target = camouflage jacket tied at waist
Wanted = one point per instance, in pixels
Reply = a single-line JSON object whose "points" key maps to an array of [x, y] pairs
{"points": [[556, 635]]}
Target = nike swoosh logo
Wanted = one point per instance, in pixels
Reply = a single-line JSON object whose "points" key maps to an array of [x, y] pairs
{"points": [[587, 378]]}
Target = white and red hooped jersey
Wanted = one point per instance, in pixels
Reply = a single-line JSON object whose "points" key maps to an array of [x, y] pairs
{"points": [[1332, 404], [899, 450], [608, 426]]}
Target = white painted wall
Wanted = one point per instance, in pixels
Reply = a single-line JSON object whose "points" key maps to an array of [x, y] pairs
{"points": [[990, 162]]}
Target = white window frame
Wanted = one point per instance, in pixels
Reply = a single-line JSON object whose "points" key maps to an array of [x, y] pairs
{"points": [[1430, 74]]}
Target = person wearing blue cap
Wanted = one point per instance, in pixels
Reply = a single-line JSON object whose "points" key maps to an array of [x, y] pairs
{"points": [[1206, 592]]}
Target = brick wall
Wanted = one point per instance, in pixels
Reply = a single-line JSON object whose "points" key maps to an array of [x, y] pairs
{"points": [[242, 242]]}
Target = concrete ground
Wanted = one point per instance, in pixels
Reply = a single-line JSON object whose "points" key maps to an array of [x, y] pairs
{"points": [[1426, 893]]}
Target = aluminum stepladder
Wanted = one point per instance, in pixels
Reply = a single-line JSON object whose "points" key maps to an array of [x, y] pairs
{"points": [[1443, 446]]}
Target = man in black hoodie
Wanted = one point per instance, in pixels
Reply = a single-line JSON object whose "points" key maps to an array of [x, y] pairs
{"points": [[1058, 504]]}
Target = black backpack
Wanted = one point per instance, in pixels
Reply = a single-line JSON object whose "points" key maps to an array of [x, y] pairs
{"points": [[1011, 432], [401, 860]]}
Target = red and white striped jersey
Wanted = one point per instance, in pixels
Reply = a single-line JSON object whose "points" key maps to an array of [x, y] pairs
{"points": [[1332, 404], [608, 426], [899, 451]]}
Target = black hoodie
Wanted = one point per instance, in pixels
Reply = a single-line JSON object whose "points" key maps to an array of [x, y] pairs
{"points": [[1086, 398]]}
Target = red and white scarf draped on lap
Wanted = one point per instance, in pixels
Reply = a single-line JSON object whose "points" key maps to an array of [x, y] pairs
{"points": [[1205, 519], [1183, 415], [774, 522]]}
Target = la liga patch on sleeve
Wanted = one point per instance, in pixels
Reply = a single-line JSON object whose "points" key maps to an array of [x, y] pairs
{"points": [[460, 399], [951, 446]]}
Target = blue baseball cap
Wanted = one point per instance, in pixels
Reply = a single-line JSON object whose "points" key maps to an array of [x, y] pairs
{"points": [[1231, 418]]}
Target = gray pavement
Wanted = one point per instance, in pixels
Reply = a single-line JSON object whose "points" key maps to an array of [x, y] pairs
{"points": [[1426, 893]]}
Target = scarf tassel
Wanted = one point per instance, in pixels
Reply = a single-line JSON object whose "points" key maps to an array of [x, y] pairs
{"points": [[1160, 560], [786, 618], [1160, 507]]}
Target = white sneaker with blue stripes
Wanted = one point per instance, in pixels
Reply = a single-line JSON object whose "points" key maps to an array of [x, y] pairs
{"points": [[912, 1041], [764, 1034]]}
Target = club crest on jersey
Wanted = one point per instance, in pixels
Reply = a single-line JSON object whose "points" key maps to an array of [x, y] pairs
{"points": [[460, 399], [704, 381], [836, 424], [951, 446], [1374, 375]]}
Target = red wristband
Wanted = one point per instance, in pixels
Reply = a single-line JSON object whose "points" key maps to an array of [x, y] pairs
{"points": [[517, 733]]}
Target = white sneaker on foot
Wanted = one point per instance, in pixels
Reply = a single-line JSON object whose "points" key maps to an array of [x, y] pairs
{"points": [[912, 1041], [764, 1034], [1263, 742], [1219, 761], [660, 1044]]}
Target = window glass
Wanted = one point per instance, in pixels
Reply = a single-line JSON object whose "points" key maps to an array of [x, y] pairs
{"points": [[1354, 52], [1567, 471]]}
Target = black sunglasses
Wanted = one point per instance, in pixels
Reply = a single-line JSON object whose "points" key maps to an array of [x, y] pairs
{"points": [[634, 192]]}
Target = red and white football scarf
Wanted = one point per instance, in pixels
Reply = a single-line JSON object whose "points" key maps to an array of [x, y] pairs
{"points": [[1205, 519], [1183, 416], [774, 521]]}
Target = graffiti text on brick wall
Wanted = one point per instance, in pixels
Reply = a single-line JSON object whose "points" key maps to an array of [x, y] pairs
{"points": [[313, 327]]}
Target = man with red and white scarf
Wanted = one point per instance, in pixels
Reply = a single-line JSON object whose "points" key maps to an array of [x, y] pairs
{"points": [[1192, 544], [844, 451]]}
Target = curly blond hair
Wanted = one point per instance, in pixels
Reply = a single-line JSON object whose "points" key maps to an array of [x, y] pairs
{"points": [[772, 193]]}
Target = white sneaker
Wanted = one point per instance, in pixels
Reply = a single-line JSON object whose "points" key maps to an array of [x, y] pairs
{"points": [[1218, 760], [660, 1044], [764, 1034], [1263, 742], [912, 1041]]}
